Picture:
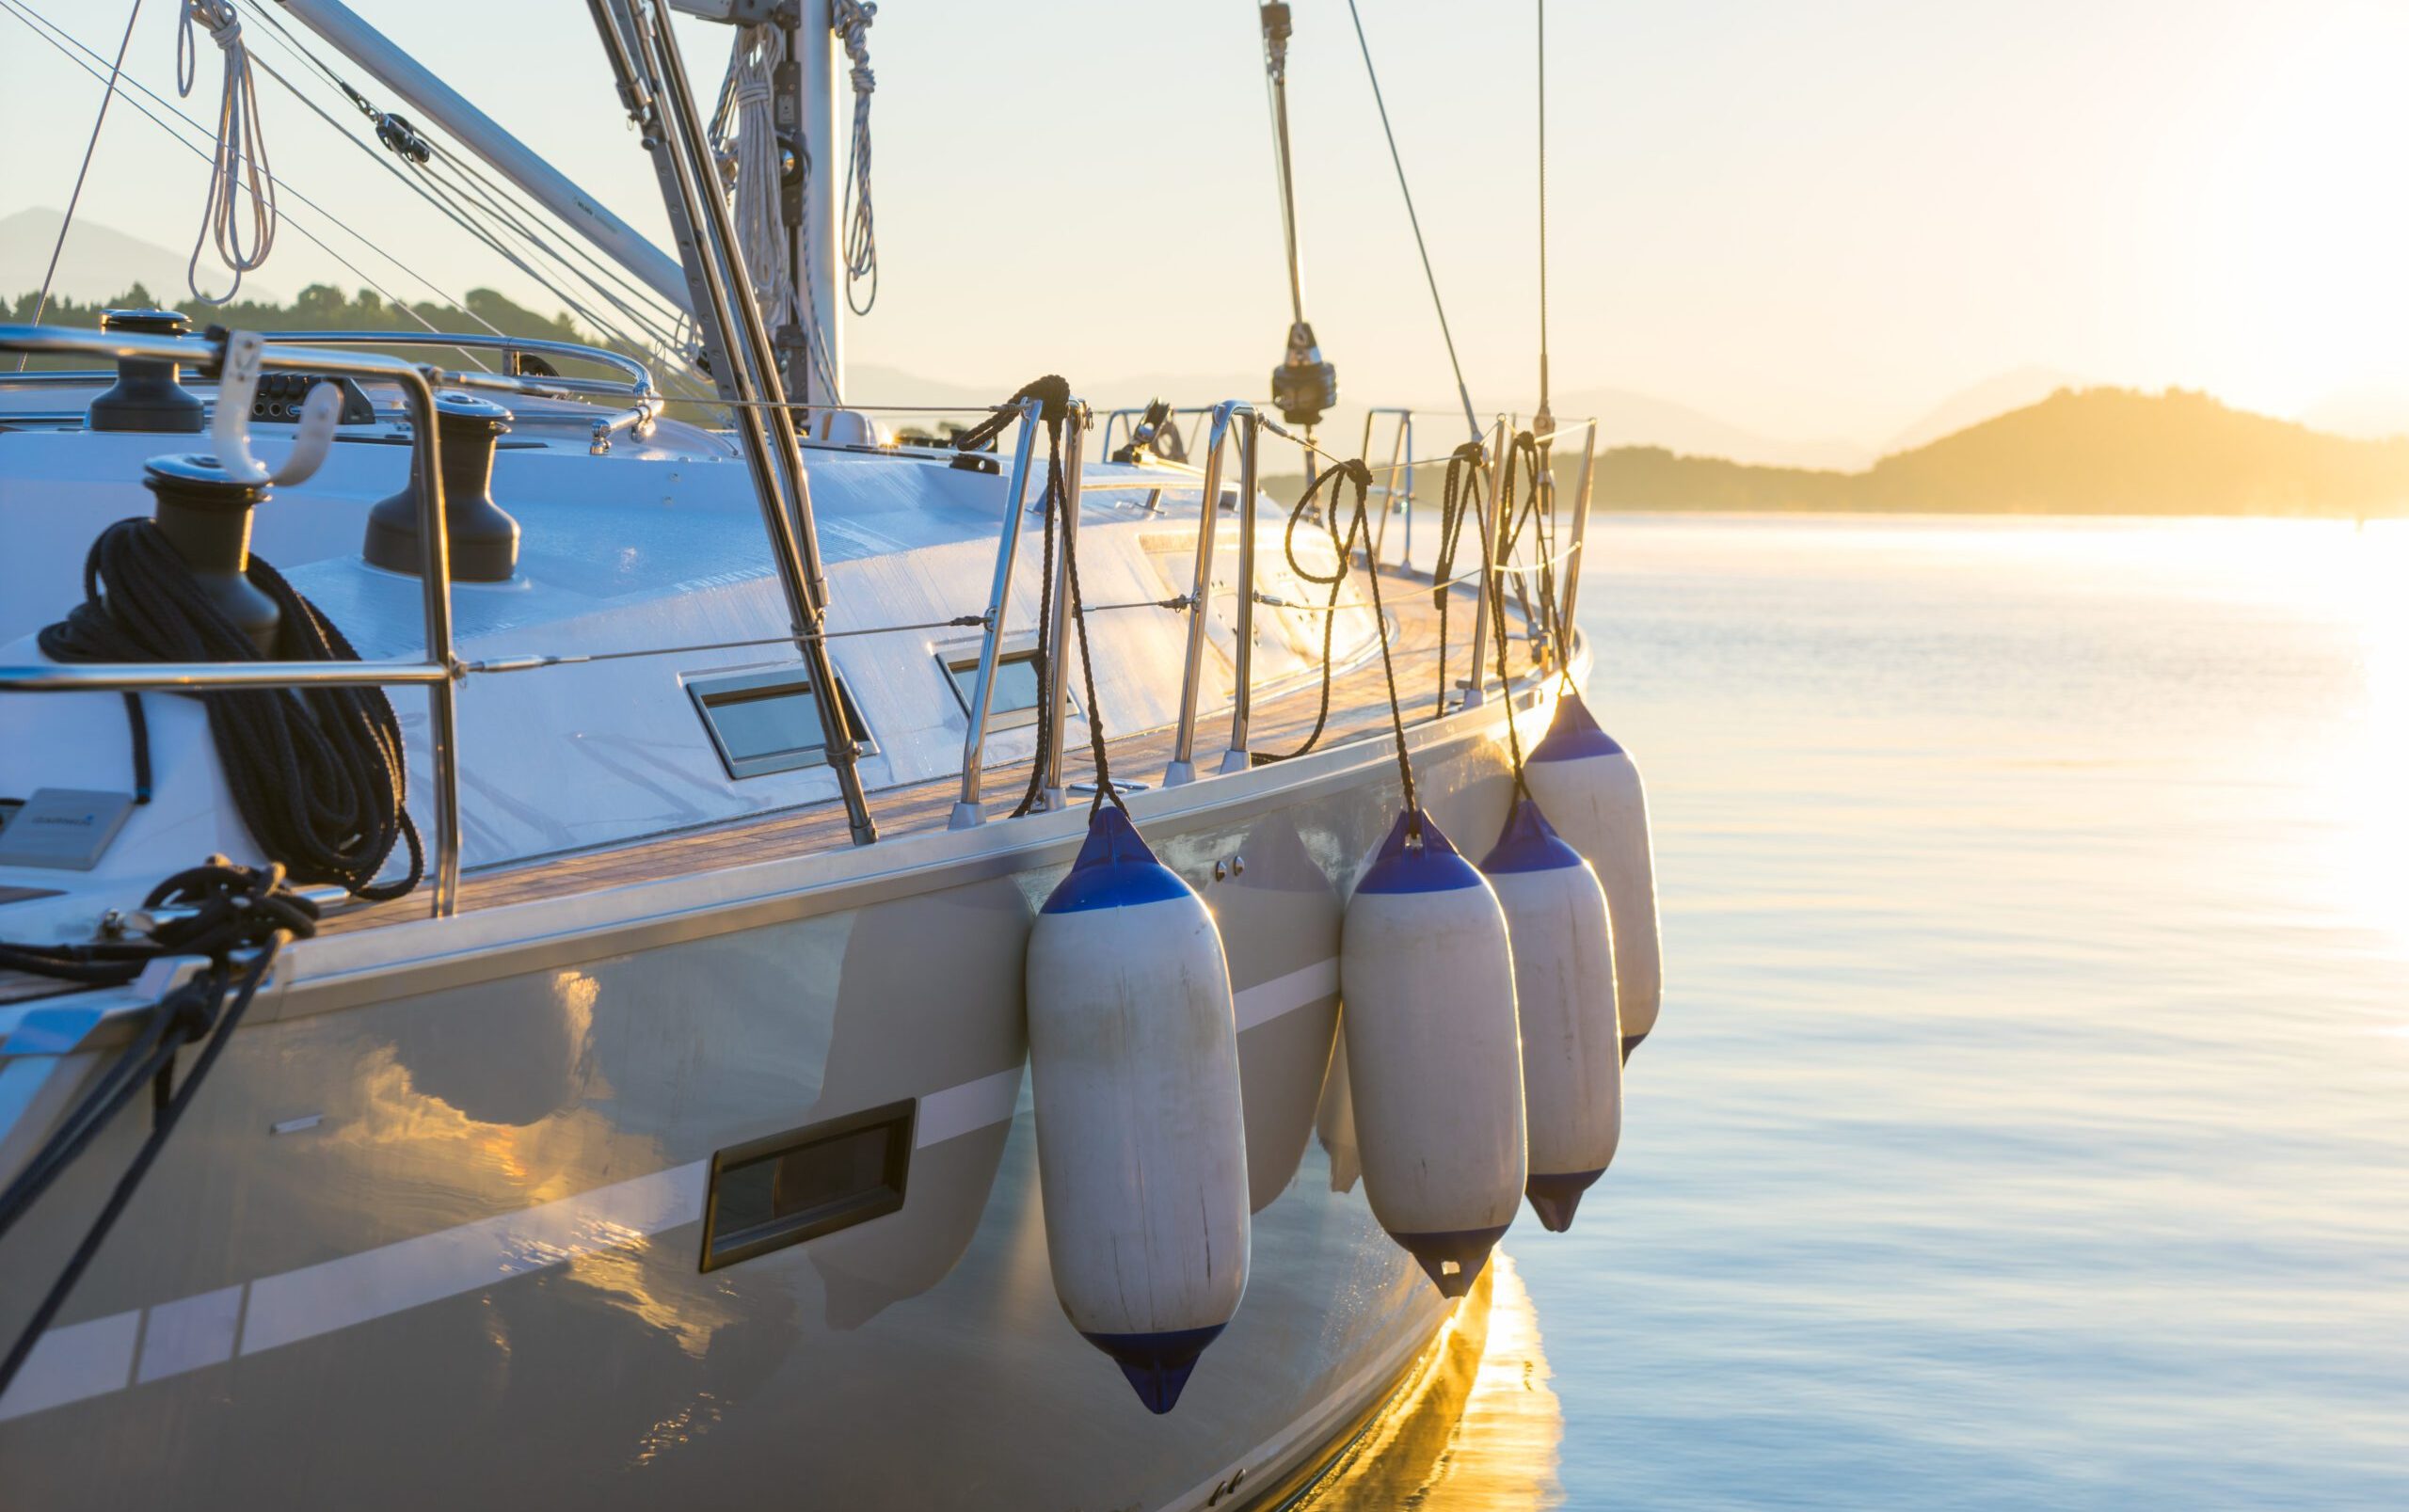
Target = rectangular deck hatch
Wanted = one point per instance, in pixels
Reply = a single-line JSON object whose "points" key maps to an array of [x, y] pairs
{"points": [[798, 1186], [765, 722], [1013, 701]]}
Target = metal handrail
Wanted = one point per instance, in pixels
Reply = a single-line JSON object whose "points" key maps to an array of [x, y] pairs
{"points": [[640, 382], [1571, 592], [967, 811], [1059, 626], [436, 674], [1491, 523], [1400, 461], [1208, 521]]}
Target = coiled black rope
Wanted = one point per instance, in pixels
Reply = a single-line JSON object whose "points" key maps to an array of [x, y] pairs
{"points": [[317, 774], [233, 908]]}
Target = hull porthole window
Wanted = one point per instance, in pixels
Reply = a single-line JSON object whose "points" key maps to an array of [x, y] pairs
{"points": [[795, 1187]]}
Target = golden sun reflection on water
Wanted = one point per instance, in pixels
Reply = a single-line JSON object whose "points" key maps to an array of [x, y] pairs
{"points": [[1478, 1427]]}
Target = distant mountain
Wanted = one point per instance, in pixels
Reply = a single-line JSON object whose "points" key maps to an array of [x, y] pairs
{"points": [[2093, 452], [99, 262], [1625, 419], [1628, 418], [1991, 397], [2370, 413]]}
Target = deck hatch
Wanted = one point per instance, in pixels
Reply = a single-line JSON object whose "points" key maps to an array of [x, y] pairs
{"points": [[765, 722], [1017, 691], [798, 1186]]}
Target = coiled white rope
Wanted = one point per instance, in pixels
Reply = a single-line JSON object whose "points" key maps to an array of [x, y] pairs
{"points": [[239, 167], [853, 20], [753, 150]]}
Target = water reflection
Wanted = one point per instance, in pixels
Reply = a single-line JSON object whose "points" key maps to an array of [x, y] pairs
{"points": [[1477, 1429]]}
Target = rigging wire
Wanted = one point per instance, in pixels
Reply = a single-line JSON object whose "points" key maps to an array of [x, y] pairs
{"points": [[117, 67], [63, 41], [1462, 392], [239, 166], [657, 333], [1545, 421]]}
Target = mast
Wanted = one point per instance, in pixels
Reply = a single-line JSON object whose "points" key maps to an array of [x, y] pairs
{"points": [[808, 105]]}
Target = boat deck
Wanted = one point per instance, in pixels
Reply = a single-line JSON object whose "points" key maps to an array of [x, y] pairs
{"points": [[1280, 723]]}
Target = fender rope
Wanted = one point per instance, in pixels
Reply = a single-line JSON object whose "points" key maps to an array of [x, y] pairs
{"points": [[234, 908]]}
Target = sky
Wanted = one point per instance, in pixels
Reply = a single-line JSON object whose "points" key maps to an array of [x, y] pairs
{"points": [[1816, 221]]}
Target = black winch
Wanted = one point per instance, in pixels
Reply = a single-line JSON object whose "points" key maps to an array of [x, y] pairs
{"points": [[484, 539], [206, 516], [149, 394]]}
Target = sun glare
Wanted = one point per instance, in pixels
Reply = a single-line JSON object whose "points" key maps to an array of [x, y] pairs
{"points": [[2304, 241]]}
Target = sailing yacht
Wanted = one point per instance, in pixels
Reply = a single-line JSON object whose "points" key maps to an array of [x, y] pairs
{"points": [[531, 996]]}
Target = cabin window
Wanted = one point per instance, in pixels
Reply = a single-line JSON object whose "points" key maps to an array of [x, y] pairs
{"points": [[1017, 691], [765, 722], [798, 1186]]}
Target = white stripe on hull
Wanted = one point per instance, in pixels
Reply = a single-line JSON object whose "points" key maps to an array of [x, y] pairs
{"points": [[111, 1353]]}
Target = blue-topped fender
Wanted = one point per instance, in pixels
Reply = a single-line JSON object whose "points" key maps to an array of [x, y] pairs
{"points": [[1573, 734], [1433, 866], [1528, 843], [1114, 870]]}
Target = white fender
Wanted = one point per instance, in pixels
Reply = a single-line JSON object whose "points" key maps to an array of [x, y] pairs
{"points": [[1590, 790], [1564, 995], [1140, 1137], [1432, 1057], [1334, 1121]]}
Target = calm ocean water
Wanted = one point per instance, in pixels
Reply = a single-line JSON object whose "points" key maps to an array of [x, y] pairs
{"points": [[2029, 1121]]}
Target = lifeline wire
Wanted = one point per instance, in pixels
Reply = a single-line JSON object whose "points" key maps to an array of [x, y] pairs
{"points": [[41, 302]]}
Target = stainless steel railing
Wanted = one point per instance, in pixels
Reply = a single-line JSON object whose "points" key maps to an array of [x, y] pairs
{"points": [[967, 810], [437, 673], [1199, 597]]}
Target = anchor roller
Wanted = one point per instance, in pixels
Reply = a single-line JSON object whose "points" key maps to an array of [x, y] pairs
{"points": [[1590, 790], [1140, 1132], [1434, 1059], [1564, 995]]}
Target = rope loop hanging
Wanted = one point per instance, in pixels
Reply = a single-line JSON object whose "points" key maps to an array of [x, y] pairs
{"points": [[852, 18], [1350, 526], [1342, 543], [243, 235]]}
